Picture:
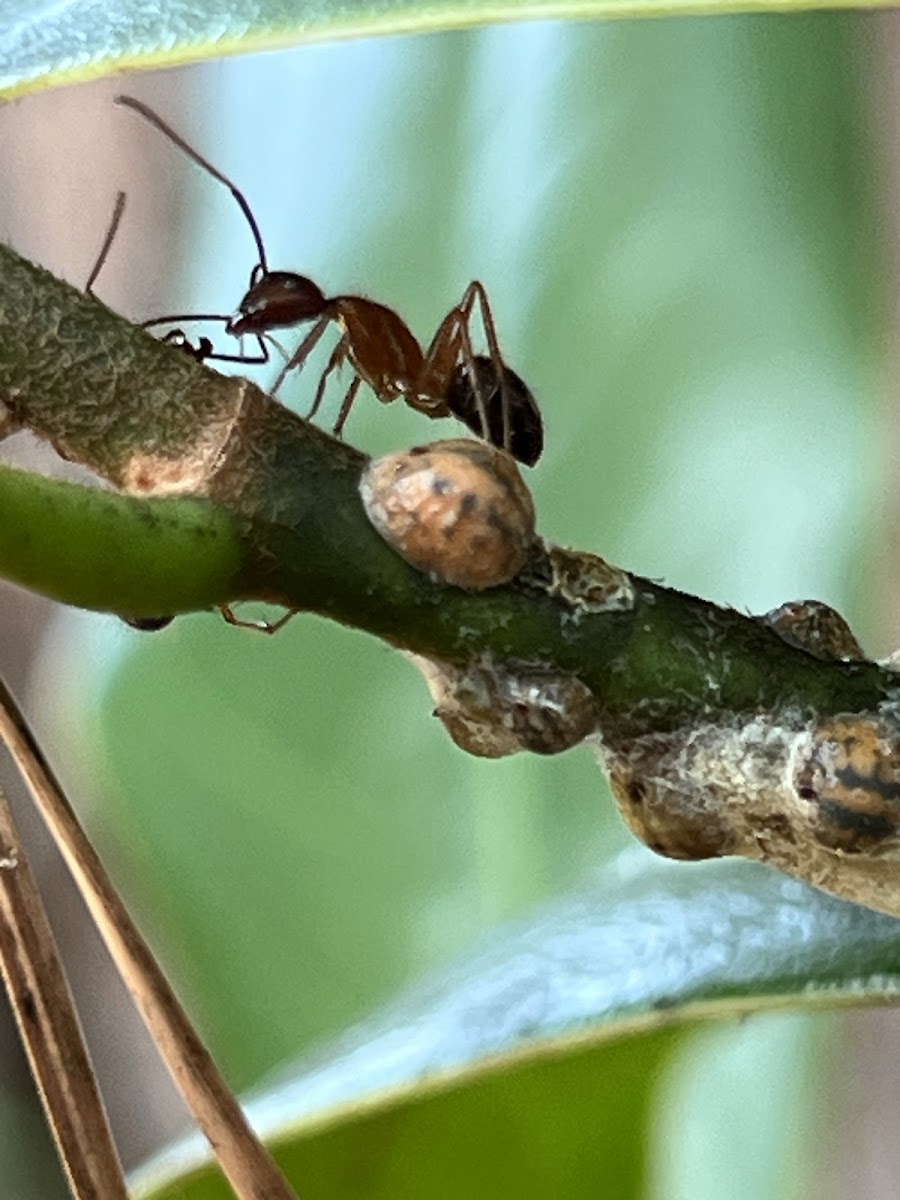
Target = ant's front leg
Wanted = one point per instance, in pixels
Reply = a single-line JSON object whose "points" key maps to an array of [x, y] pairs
{"points": [[297, 361], [205, 352], [346, 405], [248, 360]]}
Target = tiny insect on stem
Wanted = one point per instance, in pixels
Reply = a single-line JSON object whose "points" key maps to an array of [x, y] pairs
{"points": [[447, 379]]}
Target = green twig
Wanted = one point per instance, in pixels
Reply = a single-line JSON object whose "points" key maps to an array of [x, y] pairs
{"points": [[722, 734], [270, 510]]}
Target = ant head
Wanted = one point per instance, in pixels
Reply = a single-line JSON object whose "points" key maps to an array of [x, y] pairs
{"points": [[499, 386], [277, 299]]}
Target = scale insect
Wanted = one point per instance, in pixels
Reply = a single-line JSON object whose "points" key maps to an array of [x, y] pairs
{"points": [[446, 379]]}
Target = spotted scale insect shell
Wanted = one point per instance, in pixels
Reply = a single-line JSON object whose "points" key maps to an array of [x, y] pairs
{"points": [[458, 510], [493, 709]]}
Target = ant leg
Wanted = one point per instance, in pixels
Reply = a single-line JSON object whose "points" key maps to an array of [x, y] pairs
{"points": [[183, 319], [451, 343], [231, 618], [476, 292], [210, 356], [253, 360], [303, 351], [338, 356], [112, 230], [346, 406], [468, 358], [278, 346]]}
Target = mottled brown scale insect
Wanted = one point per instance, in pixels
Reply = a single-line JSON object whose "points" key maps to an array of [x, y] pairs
{"points": [[493, 710], [458, 510], [584, 583], [446, 379], [817, 628], [852, 778]]}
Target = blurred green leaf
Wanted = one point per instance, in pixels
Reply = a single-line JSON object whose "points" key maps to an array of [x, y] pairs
{"points": [[43, 46], [499, 1075]]}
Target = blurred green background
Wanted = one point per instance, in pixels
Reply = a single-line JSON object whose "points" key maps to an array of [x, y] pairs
{"points": [[678, 223]]}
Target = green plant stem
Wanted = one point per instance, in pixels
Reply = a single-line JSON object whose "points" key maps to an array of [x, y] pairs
{"points": [[83, 546], [270, 510]]}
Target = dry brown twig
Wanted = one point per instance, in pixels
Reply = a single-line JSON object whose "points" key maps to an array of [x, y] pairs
{"points": [[48, 1025], [246, 1163]]}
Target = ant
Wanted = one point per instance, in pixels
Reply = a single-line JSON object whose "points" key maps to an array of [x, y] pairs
{"points": [[447, 379]]}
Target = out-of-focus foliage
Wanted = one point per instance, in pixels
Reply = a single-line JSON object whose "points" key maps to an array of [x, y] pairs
{"points": [[45, 45], [505, 1075]]}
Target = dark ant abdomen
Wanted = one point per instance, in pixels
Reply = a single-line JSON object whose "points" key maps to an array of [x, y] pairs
{"points": [[523, 418]]}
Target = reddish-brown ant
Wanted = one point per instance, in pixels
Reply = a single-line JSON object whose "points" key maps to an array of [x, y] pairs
{"points": [[446, 380]]}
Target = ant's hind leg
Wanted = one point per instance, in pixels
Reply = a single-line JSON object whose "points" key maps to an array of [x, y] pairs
{"points": [[478, 391], [476, 293], [231, 618]]}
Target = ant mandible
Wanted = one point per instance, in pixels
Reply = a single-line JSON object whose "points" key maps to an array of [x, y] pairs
{"points": [[446, 380]]}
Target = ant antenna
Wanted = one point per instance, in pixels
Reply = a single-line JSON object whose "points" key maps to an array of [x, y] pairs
{"points": [[111, 232], [149, 115]]}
